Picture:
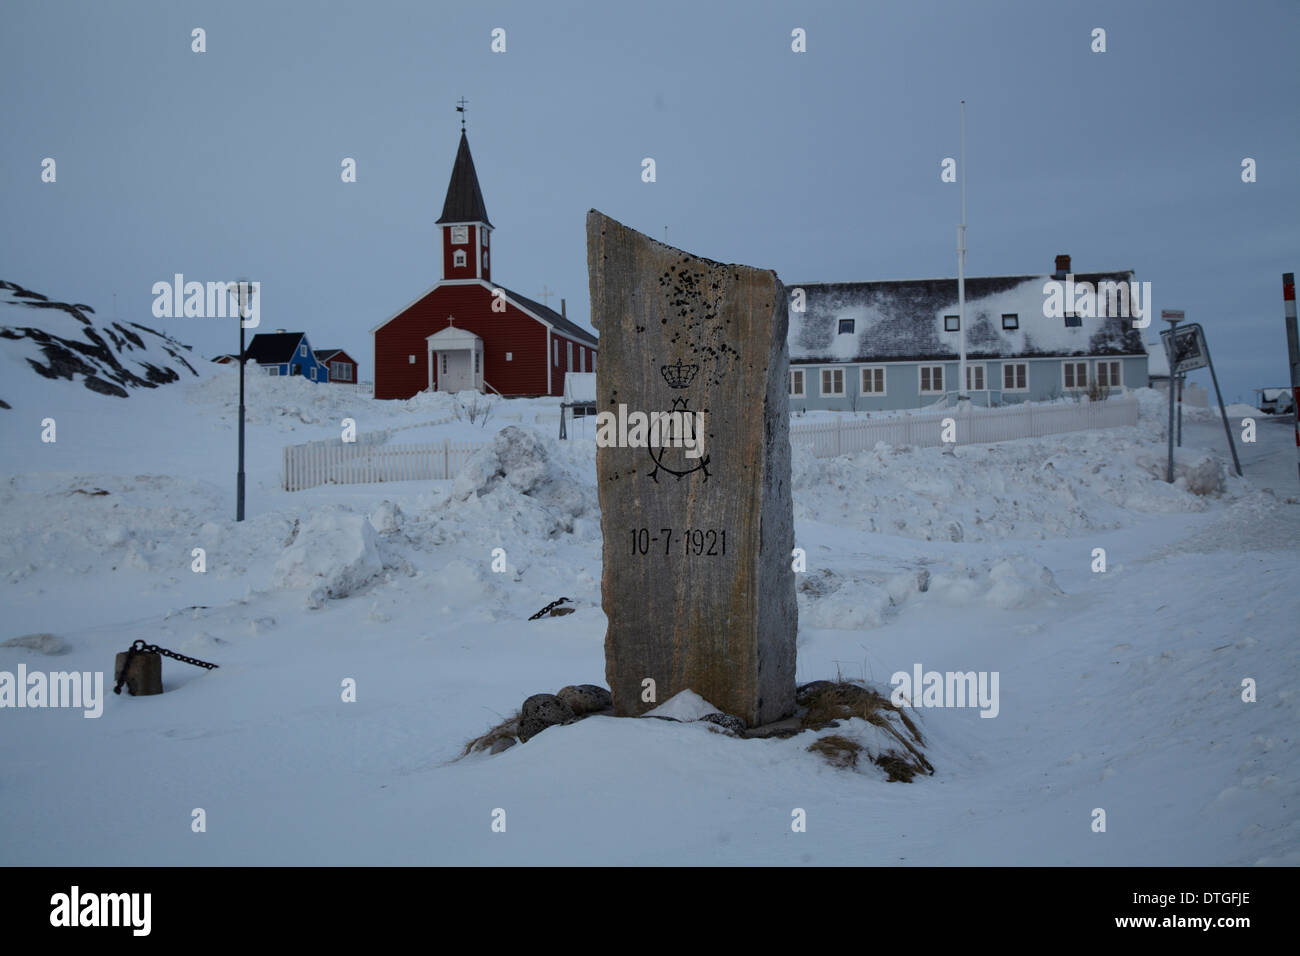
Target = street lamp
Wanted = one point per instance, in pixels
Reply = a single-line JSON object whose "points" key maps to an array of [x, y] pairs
{"points": [[1171, 353], [243, 292]]}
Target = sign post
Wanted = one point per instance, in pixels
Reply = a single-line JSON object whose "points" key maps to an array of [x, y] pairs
{"points": [[1187, 350], [1293, 352], [1173, 317]]}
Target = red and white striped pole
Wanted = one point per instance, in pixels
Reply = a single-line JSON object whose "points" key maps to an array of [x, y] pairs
{"points": [[1293, 352]]}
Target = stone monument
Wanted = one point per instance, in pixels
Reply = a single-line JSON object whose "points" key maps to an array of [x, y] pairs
{"points": [[693, 468]]}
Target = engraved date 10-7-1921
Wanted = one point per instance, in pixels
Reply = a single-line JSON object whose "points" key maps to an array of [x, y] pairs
{"points": [[693, 542]]}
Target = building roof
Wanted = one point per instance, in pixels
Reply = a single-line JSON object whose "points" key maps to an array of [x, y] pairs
{"points": [[273, 348], [325, 355], [464, 202], [554, 318], [904, 320]]}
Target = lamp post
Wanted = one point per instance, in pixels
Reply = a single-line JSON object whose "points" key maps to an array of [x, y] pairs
{"points": [[1172, 354], [243, 292]]}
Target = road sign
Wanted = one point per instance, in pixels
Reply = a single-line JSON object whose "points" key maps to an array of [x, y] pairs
{"points": [[1188, 351]]}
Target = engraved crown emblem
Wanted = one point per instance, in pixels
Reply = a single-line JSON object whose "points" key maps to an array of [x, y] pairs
{"points": [[679, 375]]}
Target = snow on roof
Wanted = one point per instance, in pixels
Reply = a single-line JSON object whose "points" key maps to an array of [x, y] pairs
{"points": [[580, 386], [901, 320]]}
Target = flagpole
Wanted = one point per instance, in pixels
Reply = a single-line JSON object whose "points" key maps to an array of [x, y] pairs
{"points": [[961, 270]]}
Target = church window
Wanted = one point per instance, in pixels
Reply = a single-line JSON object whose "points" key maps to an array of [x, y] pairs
{"points": [[458, 259]]}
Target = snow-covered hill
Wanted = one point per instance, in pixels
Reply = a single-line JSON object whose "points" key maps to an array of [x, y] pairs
{"points": [[1120, 689], [58, 340]]}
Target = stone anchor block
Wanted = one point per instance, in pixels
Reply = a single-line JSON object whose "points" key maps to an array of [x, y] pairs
{"points": [[143, 675]]}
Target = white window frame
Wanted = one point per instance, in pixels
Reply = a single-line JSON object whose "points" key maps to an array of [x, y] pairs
{"points": [[956, 318], [568, 356], [867, 371], [821, 379], [920, 380], [1015, 321], [460, 235], [443, 355], [984, 376], [802, 383], [1118, 367], [302, 351], [510, 356], [342, 371], [410, 360], [555, 352], [458, 259], [273, 370], [1013, 387], [1077, 386], [313, 373], [593, 360]]}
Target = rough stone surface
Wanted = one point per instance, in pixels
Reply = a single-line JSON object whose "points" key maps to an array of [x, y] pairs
{"points": [[143, 674], [694, 609], [727, 722], [585, 698], [541, 711]]}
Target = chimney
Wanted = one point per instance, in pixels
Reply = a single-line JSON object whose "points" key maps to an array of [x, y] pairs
{"points": [[1062, 267], [562, 311]]}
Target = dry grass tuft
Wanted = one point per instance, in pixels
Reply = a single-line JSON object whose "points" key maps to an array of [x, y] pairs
{"points": [[825, 703], [838, 751], [508, 729]]}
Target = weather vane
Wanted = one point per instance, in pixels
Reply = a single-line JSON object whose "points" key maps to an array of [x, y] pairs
{"points": [[460, 108]]}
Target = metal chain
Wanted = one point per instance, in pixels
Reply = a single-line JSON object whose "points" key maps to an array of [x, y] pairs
{"points": [[548, 607], [140, 647]]}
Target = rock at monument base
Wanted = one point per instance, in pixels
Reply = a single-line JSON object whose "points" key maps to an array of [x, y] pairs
{"points": [[585, 698], [541, 711], [698, 528]]}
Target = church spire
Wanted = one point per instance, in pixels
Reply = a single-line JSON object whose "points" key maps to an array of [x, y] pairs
{"points": [[464, 202]]}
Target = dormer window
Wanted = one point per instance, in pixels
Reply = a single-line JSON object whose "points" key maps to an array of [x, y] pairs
{"points": [[459, 235], [458, 259], [846, 326]]}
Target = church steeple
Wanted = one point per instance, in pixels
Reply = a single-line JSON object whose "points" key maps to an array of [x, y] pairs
{"points": [[464, 221]]}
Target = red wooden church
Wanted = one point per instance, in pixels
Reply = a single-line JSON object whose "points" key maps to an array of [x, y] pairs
{"points": [[469, 332]]}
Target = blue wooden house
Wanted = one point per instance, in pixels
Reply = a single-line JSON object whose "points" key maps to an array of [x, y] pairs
{"points": [[896, 344], [287, 353]]}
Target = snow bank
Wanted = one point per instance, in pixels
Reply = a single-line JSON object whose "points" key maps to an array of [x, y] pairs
{"points": [[334, 553], [516, 466]]}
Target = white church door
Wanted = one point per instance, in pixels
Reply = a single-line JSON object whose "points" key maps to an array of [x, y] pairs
{"points": [[455, 370]]}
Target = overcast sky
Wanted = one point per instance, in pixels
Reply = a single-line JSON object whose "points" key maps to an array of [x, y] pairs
{"points": [[822, 165]]}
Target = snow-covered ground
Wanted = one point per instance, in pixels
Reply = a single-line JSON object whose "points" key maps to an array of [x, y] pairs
{"points": [[1119, 690]]}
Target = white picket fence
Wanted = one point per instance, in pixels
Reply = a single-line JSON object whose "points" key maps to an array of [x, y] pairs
{"points": [[370, 459], [346, 463], [924, 429]]}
